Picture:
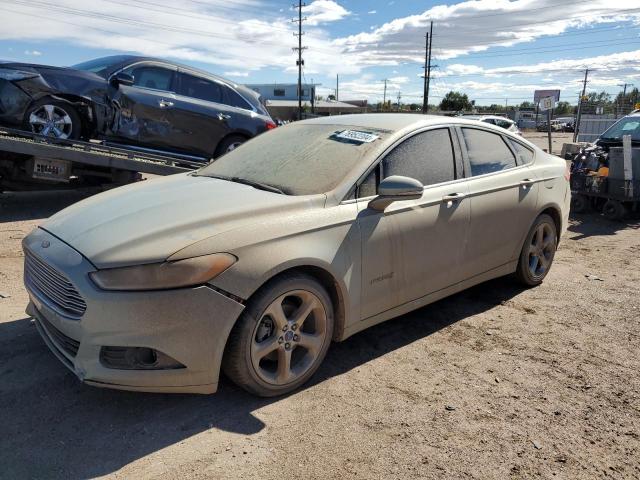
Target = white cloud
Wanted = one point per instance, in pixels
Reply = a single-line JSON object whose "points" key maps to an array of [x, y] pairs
{"points": [[35, 53], [324, 11], [372, 12], [236, 74]]}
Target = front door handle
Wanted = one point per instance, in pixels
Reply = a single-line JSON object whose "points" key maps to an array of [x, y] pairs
{"points": [[223, 116], [452, 198], [165, 103], [526, 183]]}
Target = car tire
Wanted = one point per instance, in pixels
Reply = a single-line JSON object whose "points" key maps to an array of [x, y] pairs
{"points": [[260, 355], [580, 204], [53, 118], [537, 252], [228, 144], [614, 210]]}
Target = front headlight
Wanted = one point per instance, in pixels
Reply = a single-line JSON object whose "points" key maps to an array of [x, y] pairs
{"points": [[160, 276]]}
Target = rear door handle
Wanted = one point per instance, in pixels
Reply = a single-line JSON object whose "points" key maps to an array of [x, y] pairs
{"points": [[165, 103], [223, 116], [452, 197], [526, 183]]}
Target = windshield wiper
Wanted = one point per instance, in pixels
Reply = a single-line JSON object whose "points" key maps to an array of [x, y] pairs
{"points": [[258, 185], [244, 181]]}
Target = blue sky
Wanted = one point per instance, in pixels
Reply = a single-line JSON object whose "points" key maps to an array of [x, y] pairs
{"points": [[496, 51]]}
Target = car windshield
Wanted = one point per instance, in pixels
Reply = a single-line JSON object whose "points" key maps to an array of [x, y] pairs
{"points": [[626, 126], [100, 66], [300, 158]]}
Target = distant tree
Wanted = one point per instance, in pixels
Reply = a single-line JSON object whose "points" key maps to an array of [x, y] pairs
{"points": [[331, 97], [563, 108], [414, 107], [455, 101], [527, 105]]}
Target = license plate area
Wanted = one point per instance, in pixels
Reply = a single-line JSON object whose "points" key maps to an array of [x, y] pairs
{"points": [[52, 170]]}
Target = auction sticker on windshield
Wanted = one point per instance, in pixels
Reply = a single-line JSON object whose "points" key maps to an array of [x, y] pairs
{"points": [[356, 136]]}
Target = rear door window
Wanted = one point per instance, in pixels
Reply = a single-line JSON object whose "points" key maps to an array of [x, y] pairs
{"points": [[200, 88], [524, 154], [427, 156], [152, 76], [234, 99], [487, 151]]}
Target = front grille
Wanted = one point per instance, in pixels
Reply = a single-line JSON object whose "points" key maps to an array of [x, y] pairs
{"points": [[52, 287], [59, 339]]}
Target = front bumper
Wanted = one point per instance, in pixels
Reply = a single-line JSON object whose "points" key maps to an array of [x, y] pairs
{"points": [[191, 325]]}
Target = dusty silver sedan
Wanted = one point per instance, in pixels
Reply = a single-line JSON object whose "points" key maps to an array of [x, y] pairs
{"points": [[307, 234]]}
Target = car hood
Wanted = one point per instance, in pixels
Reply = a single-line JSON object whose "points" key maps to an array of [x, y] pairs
{"points": [[57, 79], [149, 221]]}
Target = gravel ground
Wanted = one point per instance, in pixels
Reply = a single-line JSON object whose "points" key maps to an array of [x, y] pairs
{"points": [[495, 382]]}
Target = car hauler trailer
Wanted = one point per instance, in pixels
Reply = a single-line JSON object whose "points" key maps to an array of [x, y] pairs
{"points": [[33, 162]]}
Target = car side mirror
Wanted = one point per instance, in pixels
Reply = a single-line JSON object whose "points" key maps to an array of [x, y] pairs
{"points": [[121, 78], [396, 188]]}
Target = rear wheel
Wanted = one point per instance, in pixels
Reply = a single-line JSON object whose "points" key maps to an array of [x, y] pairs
{"points": [[614, 210], [282, 336], [229, 144], [537, 252], [52, 118]]}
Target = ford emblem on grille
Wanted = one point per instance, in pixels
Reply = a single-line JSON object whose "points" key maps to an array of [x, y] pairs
{"points": [[45, 244]]}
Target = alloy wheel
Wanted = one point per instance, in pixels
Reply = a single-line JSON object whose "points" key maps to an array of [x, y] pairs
{"points": [[233, 146], [541, 249], [289, 337], [51, 121]]}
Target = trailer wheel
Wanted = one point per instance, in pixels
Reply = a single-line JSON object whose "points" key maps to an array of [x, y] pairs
{"points": [[614, 210], [580, 204], [52, 118]]}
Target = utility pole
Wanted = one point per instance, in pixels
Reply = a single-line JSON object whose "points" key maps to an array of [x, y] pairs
{"points": [[425, 100], [299, 49], [428, 72], [624, 94], [576, 130], [384, 97], [399, 97], [337, 86]]}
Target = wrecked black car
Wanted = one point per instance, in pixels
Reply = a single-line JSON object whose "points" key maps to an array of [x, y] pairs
{"points": [[141, 102]]}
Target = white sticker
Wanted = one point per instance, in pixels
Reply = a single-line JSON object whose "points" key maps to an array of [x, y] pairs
{"points": [[356, 136]]}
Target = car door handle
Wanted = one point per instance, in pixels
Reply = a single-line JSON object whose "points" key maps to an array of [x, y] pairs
{"points": [[526, 183], [165, 103], [223, 116], [453, 197]]}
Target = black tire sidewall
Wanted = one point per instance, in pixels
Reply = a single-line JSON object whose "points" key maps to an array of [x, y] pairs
{"points": [[222, 147], [76, 121]]}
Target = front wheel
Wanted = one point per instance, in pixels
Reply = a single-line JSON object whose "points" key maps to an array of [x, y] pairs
{"points": [[281, 338], [52, 118], [229, 144], [537, 252], [614, 210]]}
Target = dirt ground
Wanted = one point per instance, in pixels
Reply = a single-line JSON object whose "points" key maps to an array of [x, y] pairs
{"points": [[496, 382]]}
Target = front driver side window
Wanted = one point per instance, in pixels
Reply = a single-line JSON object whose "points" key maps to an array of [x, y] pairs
{"points": [[149, 76], [426, 156]]}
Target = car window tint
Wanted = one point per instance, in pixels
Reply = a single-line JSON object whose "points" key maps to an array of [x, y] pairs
{"points": [[148, 76], [524, 154], [487, 151], [427, 156], [504, 123], [200, 88], [369, 187], [489, 120], [233, 99]]}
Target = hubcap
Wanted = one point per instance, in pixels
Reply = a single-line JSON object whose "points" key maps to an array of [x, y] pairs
{"points": [[289, 337], [51, 121], [541, 250], [233, 146]]}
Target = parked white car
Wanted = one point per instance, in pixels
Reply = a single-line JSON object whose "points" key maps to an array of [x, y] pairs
{"points": [[501, 122], [303, 236]]}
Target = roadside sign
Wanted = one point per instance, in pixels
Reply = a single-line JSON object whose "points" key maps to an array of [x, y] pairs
{"points": [[547, 103], [538, 95]]}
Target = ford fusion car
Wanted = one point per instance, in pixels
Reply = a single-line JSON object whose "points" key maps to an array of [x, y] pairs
{"points": [[138, 101], [306, 235]]}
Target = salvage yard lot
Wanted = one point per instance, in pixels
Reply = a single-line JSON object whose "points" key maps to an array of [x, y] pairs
{"points": [[495, 382]]}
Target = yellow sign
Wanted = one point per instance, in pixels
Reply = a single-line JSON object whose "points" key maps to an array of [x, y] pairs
{"points": [[637, 106]]}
